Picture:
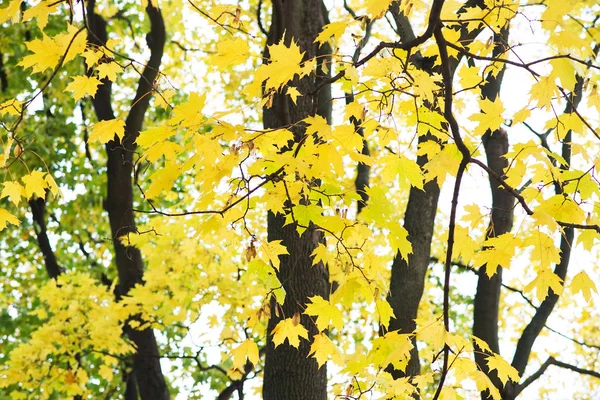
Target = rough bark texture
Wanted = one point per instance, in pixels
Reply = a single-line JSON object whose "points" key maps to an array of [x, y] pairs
{"points": [[487, 297], [289, 373], [119, 200], [408, 277]]}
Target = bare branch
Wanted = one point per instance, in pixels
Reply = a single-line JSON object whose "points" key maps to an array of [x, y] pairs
{"points": [[552, 361]]}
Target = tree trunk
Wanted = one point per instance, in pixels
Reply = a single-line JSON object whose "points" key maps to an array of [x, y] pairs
{"points": [[408, 277], [289, 373], [119, 200], [487, 297]]}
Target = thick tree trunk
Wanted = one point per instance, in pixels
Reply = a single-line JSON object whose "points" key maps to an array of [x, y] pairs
{"points": [[119, 200], [408, 277], [289, 373], [487, 297]]}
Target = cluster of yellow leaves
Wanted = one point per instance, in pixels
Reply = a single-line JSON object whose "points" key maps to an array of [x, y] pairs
{"points": [[80, 317], [285, 63], [186, 271], [34, 185]]}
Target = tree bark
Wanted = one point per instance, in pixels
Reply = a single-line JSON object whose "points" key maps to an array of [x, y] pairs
{"points": [[150, 380], [487, 297], [407, 280], [289, 373]]}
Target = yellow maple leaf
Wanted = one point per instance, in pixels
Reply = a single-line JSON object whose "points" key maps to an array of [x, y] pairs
{"points": [[271, 252], [41, 12], [544, 252], [322, 349], [497, 251], [562, 209], [543, 91], [288, 330], [319, 254], [473, 215], [51, 184], [46, 54], [163, 180], [91, 57], [246, 350], [582, 283], [392, 348], [377, 8], [490, 116], [189, 114], [7, 218], [521, 115], [82, 85], [470, 77], [326, 313], [11, 107], [335, 29], [545, 280], [504, 369], [398, 239], [105, 131], [286, 63], [11, 12], [163, 99], [482, 344], [230, 52], [293, 93], [385, 312], [150, 137], [35, 184], [72, 42], [109, 71], [564, 70], [426, 85], [587, 238], [14, 191]]}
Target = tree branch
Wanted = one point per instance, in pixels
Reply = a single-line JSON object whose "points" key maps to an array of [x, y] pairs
{"points": [[552, 361], [38, 211]]}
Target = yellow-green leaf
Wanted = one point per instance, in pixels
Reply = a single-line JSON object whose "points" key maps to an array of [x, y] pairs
{"points": [[7, 218], [288, 330], [582, 283], [14, 191], [327, 314], [247, 350], [35, 184], [504, 370], [271, 252], [105, 131], [82, 85]]}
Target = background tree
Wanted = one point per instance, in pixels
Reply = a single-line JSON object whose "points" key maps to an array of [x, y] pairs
{"points": [[180, 182], [290, 373]]}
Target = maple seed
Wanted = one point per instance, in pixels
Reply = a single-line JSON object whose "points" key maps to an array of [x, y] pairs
{"points": [[18, 150], [296, 319], [238, 13], [349, 389], [250, 253]]}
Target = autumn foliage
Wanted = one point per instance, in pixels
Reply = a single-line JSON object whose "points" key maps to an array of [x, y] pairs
{"points": [[308, 199]]}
